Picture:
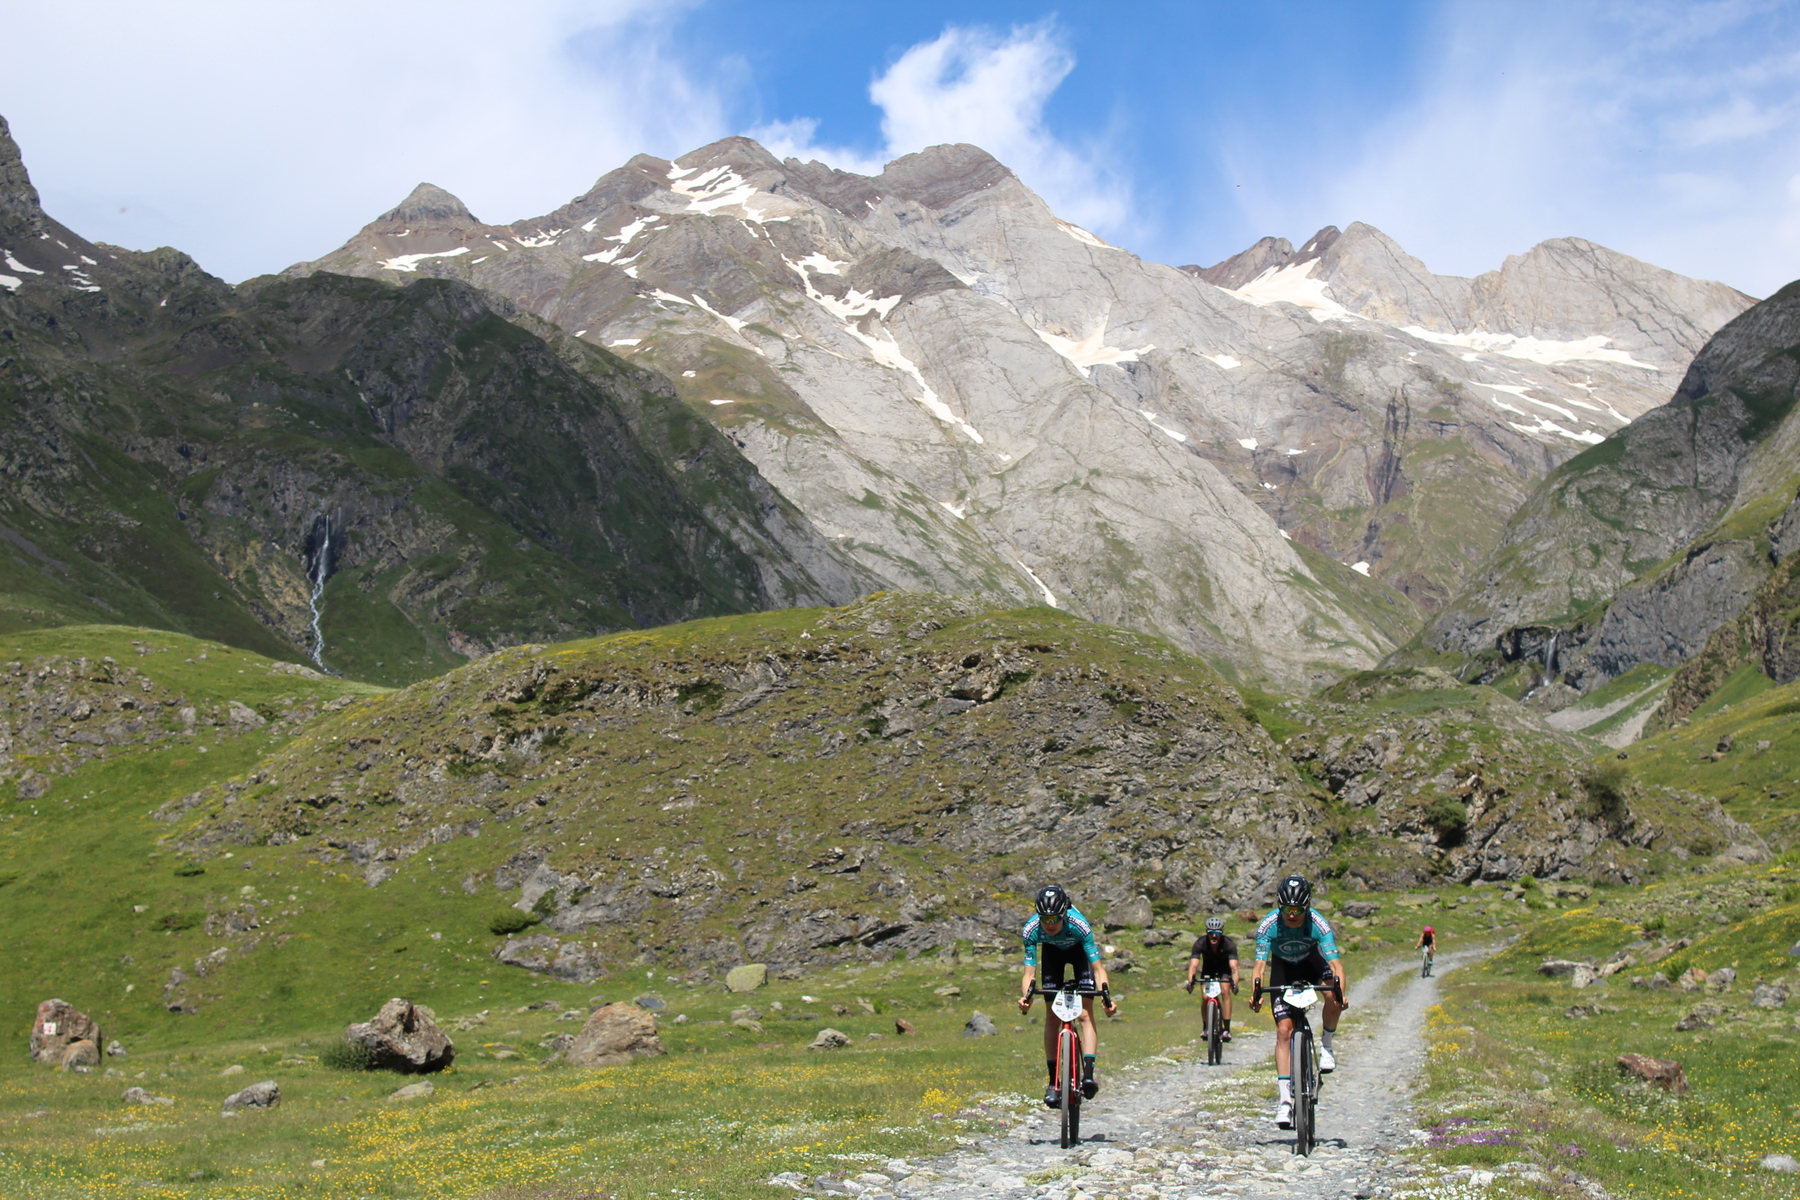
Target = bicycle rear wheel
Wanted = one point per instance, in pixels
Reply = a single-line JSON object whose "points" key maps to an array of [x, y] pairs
{"points": [[1424, 964], [1306, 1090], [1067, 1063], [1215, 1046]]}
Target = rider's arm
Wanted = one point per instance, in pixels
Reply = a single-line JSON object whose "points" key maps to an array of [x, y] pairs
{"points": [[1234, 974], [1027, 987], [1101, 982], [1193, 969]]}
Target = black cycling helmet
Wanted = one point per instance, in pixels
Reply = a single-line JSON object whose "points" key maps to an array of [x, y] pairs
{"points": [[1215, 924], [1052, 901], [1294, 892]]}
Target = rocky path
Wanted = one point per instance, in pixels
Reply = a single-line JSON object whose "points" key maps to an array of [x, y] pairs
{"points": [[1179, 1130]]}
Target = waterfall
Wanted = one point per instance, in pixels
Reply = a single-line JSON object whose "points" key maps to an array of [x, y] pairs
{"points": [[318, 569], [1550, 658]]}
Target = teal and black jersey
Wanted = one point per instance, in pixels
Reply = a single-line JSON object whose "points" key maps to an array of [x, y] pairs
{"points": [[1275, 940], [1076, 931]]}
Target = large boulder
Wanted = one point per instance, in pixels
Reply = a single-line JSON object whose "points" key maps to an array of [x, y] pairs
{"points": [[1130, 914], [60, 1025], [404, 1036], [613, 1036], [547, 955], [747, 978]]}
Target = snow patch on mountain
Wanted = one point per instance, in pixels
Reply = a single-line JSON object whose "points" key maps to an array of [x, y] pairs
{"points": [[1229, 362], [1082, 235], [1091, 351], [1293, 284], [1531, 349], [1155, 423], [410, 262]]}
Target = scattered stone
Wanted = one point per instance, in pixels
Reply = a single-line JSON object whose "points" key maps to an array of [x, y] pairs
{"points": [[137, 1095], [1721, 980], [615, 1035], [1158, 937], [1691, 980], [949, 989], [1694, 1020], [116, 1049], [829, 1039], [573, 961], [80, 1057], [1583, 975], [903, 1027], [233, 1069], [58, 1026], [979, 1025], [1664, 1073], [1617, 963], [414, 1091], [1415, 901], [1130, 914], [404, 1037], [651, 1003], [1769, 995], [865, 1007], [545, 1006], [747, 1023], [266, 1094], [1779, 1162], [1361, 909], [1558, 968], [747, 978]]}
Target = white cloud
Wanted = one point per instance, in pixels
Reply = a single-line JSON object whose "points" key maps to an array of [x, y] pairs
{"points": [[976, 85], [1666, 131], [171, 123]]}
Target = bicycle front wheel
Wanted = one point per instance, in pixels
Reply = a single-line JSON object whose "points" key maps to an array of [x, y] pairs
{"points": [[1215, 1046], [1306, 1090], [1067, 1063]]}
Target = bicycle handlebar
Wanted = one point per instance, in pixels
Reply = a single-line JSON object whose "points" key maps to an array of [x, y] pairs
{"points": [[1332, 986], [1047, 990]]}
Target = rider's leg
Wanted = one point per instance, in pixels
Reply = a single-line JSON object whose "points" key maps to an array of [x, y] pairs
{"points": [[1225, 1007], [1328, 1026], [1090, 1041], [1284, 1075]]}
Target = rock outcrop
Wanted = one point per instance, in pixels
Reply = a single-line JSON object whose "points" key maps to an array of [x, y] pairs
{"points": [[58, 1026], [403, 1037], [615, 1035]]}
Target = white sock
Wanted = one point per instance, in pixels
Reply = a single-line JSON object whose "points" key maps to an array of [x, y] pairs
{"points": [[1325, 1038], [1287, 1089]]}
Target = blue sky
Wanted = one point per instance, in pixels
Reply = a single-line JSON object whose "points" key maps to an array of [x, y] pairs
{"points": [[256, 135]]}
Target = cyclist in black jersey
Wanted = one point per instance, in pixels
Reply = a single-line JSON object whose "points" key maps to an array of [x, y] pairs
{"points": [[1216, 954]]}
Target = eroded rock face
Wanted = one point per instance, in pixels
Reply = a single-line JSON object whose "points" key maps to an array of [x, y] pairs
{"points": [[59, 1025], [404, 1037], [613, 1036]]}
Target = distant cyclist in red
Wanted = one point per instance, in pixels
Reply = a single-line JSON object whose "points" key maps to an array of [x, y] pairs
{"points": [[1428, 943]]}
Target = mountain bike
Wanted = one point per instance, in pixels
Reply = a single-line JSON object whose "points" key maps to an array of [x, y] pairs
{"points": [[1212, 1016], [1303, 1055], [1065, 1006], [1425, 962]]}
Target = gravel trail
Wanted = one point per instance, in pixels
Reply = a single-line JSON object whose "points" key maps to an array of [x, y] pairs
{"points": [[1179, 1129]]}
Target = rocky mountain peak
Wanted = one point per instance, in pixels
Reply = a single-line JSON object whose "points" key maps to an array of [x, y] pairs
{"points": [[20, 213], [939, 176], [1245, 265], [426, 207], [744, 155]]}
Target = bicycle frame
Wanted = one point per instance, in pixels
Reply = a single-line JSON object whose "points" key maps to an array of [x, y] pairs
{"points": [[1303, 1061], [1212, 1015], [1065, 1004]]}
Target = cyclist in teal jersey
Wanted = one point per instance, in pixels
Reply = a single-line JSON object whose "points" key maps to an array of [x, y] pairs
{"points": [[1295, 944], [1066, 939]]}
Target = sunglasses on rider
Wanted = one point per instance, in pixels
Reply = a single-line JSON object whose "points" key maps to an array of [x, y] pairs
{"points": [[1293, 911]]}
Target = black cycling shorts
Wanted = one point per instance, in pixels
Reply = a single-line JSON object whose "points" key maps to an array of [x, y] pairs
{"points": [[1053, 959], [1311, 969]]}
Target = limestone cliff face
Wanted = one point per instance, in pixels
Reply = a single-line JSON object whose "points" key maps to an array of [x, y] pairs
{"points": [[1650, 547], [971, 395]]}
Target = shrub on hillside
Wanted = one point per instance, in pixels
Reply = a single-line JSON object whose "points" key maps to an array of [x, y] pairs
{"points": [[1450, 817], [347, 1056], [1608, 787], [511, 920]]}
